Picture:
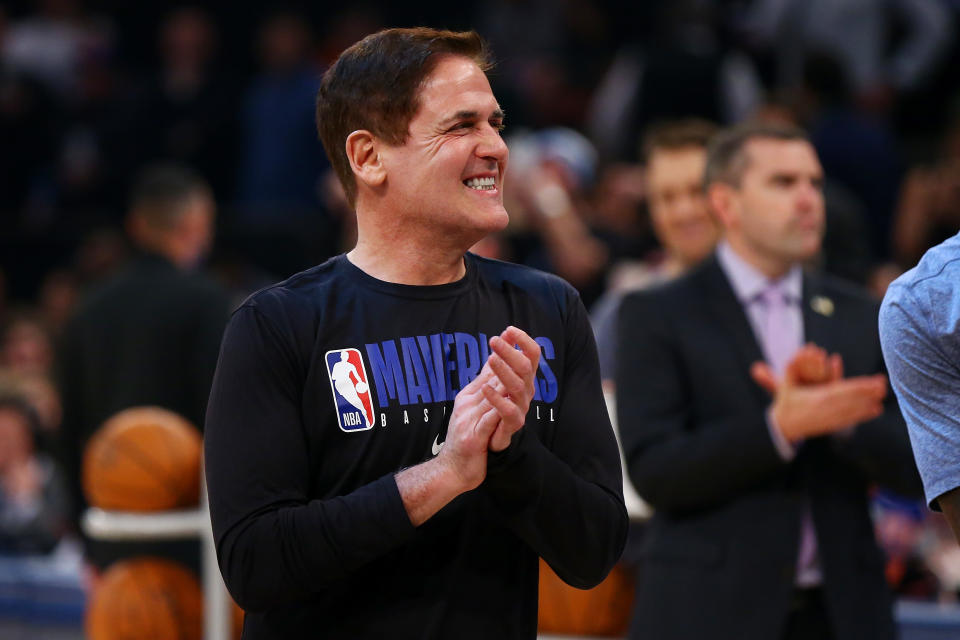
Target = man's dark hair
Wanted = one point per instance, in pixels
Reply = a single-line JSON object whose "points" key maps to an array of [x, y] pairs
{"points": [[673, 135], [727, 157], [375, 85], [160, 192]]}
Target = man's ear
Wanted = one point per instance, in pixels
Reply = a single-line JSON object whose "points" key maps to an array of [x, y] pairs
{"points": [[363, 152], [723, 201]]}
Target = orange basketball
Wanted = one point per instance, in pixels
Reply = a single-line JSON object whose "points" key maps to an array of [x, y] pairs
{"points": [[601, 611], [147, 599], [143, 459]]}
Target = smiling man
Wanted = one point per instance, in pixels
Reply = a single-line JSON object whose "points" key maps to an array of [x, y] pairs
{"points": [[396, 435], [761, 528]]}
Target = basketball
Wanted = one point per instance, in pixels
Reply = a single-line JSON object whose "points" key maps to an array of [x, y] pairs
{"points": [[143, 459], [601, 611], [147, 599], [362, 387]]}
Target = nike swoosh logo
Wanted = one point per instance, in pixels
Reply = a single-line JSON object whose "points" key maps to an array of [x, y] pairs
{"points": [[435, 447]]}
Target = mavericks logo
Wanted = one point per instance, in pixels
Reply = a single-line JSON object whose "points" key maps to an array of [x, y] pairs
{"points": [[351, 389]]}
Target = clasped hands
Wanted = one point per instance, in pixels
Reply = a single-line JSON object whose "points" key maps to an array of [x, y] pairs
{"points": [[814, 399], [493, 406]]}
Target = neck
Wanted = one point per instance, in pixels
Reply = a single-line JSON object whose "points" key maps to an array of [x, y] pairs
{"points": [[408, 258], [172, 251], [772, 267]]}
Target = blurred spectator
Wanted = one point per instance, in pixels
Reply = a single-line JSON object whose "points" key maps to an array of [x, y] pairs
{"points": [[857, 150], [39, 391], [88, 175], [554, 51], [151, 333], [26, 346], [33, 498], [49, 45], [675, 153], [101, 253], [29, 121], [618, 210], [901, 530], [57, 299], [282, 161], [883, 45], [929, 209], [683, 69], [552, 172], [185, 113]]}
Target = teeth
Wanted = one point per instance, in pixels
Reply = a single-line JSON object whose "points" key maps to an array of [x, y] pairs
{"points": [[482, 184]]}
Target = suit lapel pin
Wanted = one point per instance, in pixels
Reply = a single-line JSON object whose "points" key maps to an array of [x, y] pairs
{"points": [[822, 305]]}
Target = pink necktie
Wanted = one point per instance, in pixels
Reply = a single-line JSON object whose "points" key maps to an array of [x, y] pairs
{"points": [[780, 332], [781, 340]]}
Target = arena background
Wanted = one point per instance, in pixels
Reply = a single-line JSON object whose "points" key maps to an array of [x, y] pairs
{"points": [[92, 92]]}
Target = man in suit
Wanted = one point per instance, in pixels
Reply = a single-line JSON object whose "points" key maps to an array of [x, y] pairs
{"points": [[148, 336], [755, 451]]}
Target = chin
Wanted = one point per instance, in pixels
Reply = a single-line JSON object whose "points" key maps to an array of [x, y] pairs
{"points": [[493, 221]]}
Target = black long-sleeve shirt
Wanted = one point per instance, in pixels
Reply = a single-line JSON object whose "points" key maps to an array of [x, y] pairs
{"points": [[312, 535]]}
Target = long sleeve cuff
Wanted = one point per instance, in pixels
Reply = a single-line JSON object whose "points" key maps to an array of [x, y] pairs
{"points": [[786, 450]]}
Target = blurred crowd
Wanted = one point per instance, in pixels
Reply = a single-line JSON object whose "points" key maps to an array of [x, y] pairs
{"points": [[92, 93]]}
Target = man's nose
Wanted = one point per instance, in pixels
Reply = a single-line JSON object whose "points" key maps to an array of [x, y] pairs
{"points": [[491, 145], [808, 196]]}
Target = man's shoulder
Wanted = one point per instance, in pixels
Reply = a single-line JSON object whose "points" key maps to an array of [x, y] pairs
{"points": [[137, 286], [497, 273], [934, 282], [841, 290], [929, 293], [302, 290], [687, 288]]}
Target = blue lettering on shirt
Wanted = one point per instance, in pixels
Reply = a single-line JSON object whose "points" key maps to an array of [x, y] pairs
{"points": [[468, 358], [387, 373], [546, 387], [417, 386], [424, 368]]}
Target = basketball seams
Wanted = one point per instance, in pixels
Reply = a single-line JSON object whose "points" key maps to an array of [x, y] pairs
{"points": [[142, 459], [156, 449]]}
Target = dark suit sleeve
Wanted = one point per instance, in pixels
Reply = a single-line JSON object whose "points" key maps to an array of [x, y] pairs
{"points": [[274, 545], [677, 459], [565, 498], [881, 449]]}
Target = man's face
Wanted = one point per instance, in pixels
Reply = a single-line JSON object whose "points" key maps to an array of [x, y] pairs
{"points": [[196, 226], [678, 208], [449, 172], [778, 211]]}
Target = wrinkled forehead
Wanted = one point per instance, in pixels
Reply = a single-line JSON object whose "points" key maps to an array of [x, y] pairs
{"points": [[456, 83]]}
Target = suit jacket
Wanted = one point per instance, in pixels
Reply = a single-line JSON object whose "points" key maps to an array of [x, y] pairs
{"points": [[148, 336], [721, 550]]}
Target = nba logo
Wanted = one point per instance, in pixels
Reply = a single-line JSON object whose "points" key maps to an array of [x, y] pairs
{"points": [[351, 391]]}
